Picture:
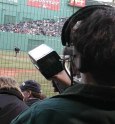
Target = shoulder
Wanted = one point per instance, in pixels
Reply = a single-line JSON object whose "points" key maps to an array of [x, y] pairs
{"points": [[52, 104], [42, 112], [16, 48]]}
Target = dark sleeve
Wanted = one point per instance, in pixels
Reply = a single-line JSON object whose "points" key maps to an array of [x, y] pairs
{"points": [[44, 116], [50, 116], [59, 87]]}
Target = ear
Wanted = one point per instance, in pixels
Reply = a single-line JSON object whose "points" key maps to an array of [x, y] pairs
{"points": [[29, 92]]}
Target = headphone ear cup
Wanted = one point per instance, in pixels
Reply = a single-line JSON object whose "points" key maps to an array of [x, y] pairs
{"points": [[64, 40], [80, 15]]}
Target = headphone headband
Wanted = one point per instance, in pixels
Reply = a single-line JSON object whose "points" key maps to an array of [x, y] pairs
{"points": [[81, 14]]}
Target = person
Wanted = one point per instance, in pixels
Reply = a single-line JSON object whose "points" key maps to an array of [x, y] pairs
{"points": [[11, 100], [32, 92], [91, 101], [17, 50]]}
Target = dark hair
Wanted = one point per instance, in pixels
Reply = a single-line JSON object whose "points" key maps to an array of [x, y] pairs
{"points": [[38, 95], [94, 39], [35, 94]]}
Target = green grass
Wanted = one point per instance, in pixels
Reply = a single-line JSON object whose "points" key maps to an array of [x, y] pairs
{"points": [[9, 61]]}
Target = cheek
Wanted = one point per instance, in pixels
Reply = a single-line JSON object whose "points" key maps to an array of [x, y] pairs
{"points": [[76, 65], [26, 95], [76, 62]]}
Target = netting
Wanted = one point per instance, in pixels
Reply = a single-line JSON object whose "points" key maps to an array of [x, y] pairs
{"points": [[26, 24]]}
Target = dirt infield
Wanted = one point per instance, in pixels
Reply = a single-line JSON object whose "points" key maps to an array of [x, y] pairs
{"points": [[14, 72]]}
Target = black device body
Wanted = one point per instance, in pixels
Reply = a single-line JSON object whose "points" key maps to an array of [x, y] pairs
{"points": [[50, 65]]}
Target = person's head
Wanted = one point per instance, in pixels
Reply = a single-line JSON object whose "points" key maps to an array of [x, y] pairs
{"points": [[94, 41], [8, 83], [31, 89]]}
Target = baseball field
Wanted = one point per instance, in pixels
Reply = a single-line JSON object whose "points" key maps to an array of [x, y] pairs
{"points": [[21, 68]]}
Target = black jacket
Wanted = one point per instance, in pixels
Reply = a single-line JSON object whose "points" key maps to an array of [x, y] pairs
{"points": [[79, 104], [11, 104]]}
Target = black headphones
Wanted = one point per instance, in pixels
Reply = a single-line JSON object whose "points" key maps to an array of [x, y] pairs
{"points": [[80, 15]]}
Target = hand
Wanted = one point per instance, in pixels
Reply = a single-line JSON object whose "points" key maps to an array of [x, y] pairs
{"points": [[63, 78]]}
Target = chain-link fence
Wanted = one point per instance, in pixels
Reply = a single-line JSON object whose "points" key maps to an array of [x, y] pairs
{"points": [[26, 24]]}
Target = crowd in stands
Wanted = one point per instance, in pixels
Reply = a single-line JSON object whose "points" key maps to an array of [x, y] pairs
{"points": [[48, 27]]}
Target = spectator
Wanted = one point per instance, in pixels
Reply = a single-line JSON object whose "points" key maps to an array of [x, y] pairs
{"points": [[11, 100], [32, 92], [93, 100]]}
